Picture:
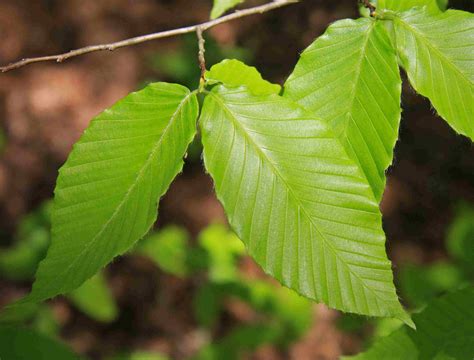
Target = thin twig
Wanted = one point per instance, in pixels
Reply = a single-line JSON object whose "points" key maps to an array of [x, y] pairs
{"points": [[159, 35], [367, 4], [202, 50]]}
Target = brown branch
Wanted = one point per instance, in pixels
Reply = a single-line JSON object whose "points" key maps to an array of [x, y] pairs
{"points": [[367, 4], [159, 35], [202, 50]]}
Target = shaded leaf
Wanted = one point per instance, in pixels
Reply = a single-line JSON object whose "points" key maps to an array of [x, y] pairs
{"points": [[437, 52], [419, 284], [95, 299], [460, 237], [396, 346], [298, 202], [445, 330], [24, 344], [349, 77]]}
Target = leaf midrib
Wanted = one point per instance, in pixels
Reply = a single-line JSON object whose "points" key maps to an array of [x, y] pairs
{"points": [[300, 204], [131, 188], [350, 108]]}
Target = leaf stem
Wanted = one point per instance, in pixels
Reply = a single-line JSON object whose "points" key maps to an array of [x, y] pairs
{"points": [[201, 58], [367, 4]]}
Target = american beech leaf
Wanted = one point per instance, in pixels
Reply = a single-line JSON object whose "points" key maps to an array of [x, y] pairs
{"points": [[299, 203], [234, 73], [404, 5], [437, 52], [349, 77], [107, 192], [221, 6]]}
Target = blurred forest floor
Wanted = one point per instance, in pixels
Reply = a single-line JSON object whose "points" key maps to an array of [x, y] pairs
{"points": [[45, 107]]}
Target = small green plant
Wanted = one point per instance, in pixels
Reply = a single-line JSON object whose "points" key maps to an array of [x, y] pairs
{"points": [[300, 170], [283, 316]]}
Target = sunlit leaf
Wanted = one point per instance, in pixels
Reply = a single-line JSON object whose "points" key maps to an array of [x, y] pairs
{"points": [[349, 77], [107, 192], [236, 73], [221, 6], [403, 5], [437, 52], [305, 212]]}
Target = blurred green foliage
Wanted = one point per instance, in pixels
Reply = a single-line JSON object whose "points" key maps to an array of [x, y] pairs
{"points": [[26, 344], [3, 140], [281, 316], [19, 263], [140, 355], [168, 248], [445, 329], [95, 299], [421, 283]]}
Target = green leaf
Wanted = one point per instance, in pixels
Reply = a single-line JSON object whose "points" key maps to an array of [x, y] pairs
{"points": [[437, 52], [107, 192], [297, 201], [221, 6], [95, 299], [20, 261], [396, 346], [460, 237], [234, 73], [223, 247], [239, 342], [168, 248], [349, 77], [419, 284], [140, 355], [24, 344], [444, 327], [404, 5]]}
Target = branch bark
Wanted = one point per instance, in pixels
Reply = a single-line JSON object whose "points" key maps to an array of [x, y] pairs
{"points": [[367, 4], [149, 37]]}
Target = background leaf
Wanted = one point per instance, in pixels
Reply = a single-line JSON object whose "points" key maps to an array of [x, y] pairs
{"points": [[437, 52], [24, 344], [460, 237], [349, 77], [107, 192], [444, 327], [95, 299], [223, 247], [299, 203], [168, 248], [221, 6]]}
